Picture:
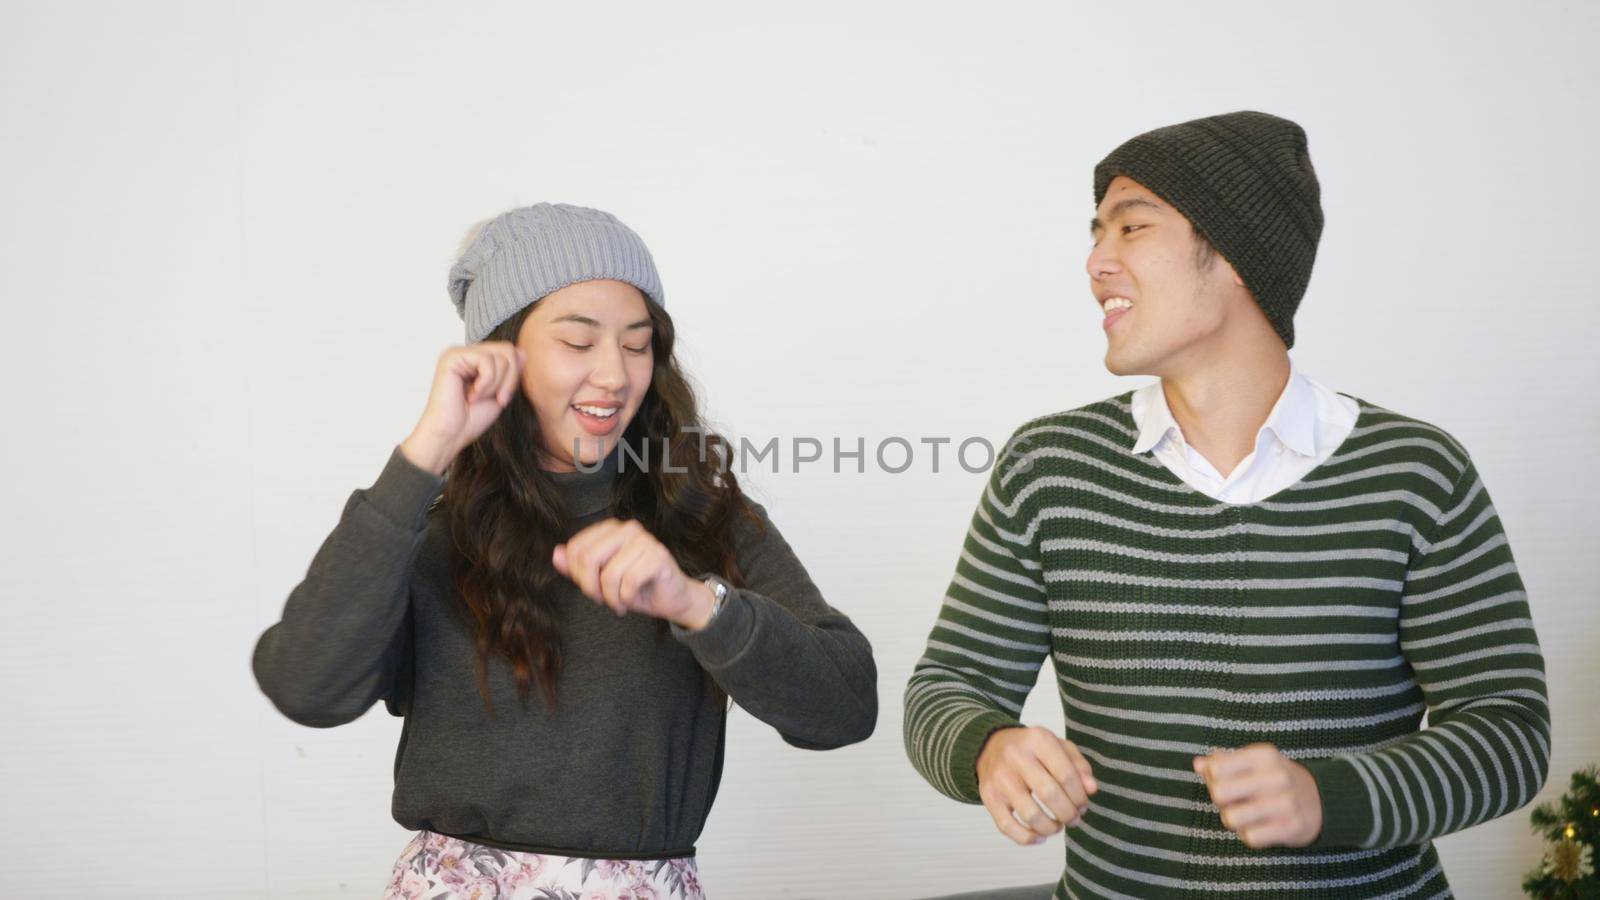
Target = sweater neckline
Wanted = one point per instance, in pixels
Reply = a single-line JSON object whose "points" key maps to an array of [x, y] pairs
{"points": [[1363, 417], [587, 492]]}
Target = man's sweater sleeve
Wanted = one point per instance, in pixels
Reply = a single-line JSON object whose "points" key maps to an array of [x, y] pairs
{"points": [[1465, 630], [782, 653], [987, 645], [344, 636]]}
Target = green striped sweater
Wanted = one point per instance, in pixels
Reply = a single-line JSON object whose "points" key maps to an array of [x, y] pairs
{"points": [[1325, 619]]}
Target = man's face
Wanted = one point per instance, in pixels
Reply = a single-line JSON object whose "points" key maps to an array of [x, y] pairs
{"points": [[1160, 304]]}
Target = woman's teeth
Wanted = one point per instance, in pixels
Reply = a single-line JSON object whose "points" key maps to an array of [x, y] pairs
{"points": [[1116, 303], [599, 412]]}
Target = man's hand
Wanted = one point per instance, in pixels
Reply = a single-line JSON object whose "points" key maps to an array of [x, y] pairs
{"points": [[1033, 783], [1268, 799]]}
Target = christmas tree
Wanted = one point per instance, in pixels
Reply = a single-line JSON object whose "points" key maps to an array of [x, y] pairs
{"points": [[1571, 829]]}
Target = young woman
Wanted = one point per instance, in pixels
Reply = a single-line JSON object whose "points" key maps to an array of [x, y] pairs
{"points": [[558, 583]]}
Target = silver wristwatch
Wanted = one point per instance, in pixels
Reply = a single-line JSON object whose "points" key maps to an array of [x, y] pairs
{"points": [[719, 595]]}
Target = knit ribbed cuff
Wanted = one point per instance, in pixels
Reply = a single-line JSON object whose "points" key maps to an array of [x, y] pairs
{"points": [[404, 491], [1347, 813], [969, 744], [726, 637]]}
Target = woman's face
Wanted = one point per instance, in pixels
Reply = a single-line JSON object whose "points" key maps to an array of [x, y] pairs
{"points": [[590, 359]]}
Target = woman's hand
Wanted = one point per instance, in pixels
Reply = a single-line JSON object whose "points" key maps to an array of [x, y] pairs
{"points": [[471, 385], [620, 564]]}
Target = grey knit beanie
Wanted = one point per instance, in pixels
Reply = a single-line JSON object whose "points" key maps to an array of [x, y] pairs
{"points": [[1245, 181], [520, 256]]}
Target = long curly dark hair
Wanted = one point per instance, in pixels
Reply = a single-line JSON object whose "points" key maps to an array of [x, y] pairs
{"points": [[506, 514]]}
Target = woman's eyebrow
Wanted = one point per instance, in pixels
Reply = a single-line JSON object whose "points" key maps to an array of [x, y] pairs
{"points": [[585, 320]]}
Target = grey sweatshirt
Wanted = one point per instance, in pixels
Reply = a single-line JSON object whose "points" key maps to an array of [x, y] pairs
{"points": [[628, 762]]}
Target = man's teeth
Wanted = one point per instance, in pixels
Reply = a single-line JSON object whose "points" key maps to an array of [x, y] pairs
{"points": [[600, 412], [1116, 303]]}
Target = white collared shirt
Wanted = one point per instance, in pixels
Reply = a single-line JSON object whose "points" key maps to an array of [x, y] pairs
{"points": [[1306, 425]]}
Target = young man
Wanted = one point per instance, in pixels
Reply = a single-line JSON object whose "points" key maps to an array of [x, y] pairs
{"points": [[1251, 587]]}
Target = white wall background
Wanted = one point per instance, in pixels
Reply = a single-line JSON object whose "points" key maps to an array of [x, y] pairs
{"points": [[224, 233]]}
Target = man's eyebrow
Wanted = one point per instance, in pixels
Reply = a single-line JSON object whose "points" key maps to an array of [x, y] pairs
{"points": [[585, 320], [1120, 207]]}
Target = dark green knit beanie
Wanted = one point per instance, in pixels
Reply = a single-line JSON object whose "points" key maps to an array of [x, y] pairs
{"points": [[1244, 180]]}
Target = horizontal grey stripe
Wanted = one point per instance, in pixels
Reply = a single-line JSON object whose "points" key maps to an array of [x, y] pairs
{"points": [[1147, 529], [1274, 886], [1144, 823], [1442, 479], [1021, 548], [1003, 694], [1227, 696], [1030, 439], [1263, 860], [1043, 425], [1345, 610], [1026, 582], [1100, 761], [1186, 777], [998, 550], [1211, 637], [1467, 502], [1032, 458], [1127, 740], [1209, 721], [1474, 606], [1003, 621], [1090, 576], [935, 673], [1465, 633], [1505, 568], [1410, 498], [1439, 445], [1436, 686], [1101, 892], [1472, 527], [991, 661], [1210, 665], [1033, 607], [1445, 662], [1227, 556], [1500, 698], [1040, 482], [1499, 540], [1380, 419], [1420, 883], [1210, 506]]}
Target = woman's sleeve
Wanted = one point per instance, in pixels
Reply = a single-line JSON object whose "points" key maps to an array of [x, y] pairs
{"points": [[344, 638], [784, 654]]}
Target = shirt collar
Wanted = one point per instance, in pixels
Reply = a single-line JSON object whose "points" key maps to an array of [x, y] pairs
{"points": [[1153, 417], [1293, 419]]}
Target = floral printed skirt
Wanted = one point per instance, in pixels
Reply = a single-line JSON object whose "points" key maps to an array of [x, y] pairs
{"points": [[436, 867]]}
